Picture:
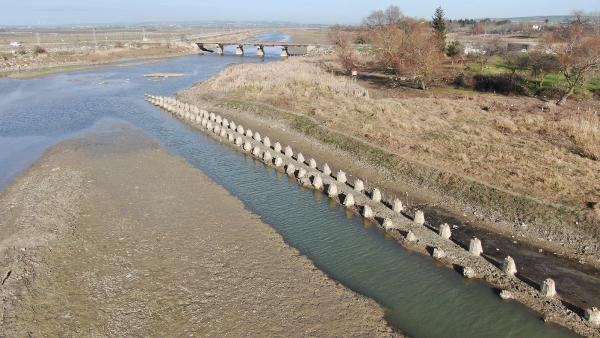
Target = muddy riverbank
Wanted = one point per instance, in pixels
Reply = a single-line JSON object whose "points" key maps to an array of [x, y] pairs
{"points": [[108, 234]]}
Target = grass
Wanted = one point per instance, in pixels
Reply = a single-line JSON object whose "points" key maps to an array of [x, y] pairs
{"points": [[516, 144]]}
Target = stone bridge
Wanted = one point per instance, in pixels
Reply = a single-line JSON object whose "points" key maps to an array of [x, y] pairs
{"points": [[260, 47]]}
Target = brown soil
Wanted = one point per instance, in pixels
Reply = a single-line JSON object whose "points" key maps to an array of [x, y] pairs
{"points": [[111, 235]]}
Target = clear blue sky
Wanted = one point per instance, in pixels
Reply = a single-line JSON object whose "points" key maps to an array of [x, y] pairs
{"points": [[19, 12]]}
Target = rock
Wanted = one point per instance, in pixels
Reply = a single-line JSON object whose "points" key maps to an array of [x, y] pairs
{"points": [[300, 158], [445, 231], [505, 294], [419, 217], [359, 185], [548, 288], [326, 170], [312, 163], [397, 206], [341, 177], [475, 248], [593, 316], [376, 195], [438, 253], [411, 237], [509, 267], [349, 201]]}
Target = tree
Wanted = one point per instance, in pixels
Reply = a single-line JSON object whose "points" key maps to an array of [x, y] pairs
{"points": [[440, 26], [408, 48], [577, 50], [479, 28], [344, 51], [391, 16]]}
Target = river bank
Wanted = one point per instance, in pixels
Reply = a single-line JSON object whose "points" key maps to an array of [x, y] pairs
{"points": [[108, 234], [32, 66]]}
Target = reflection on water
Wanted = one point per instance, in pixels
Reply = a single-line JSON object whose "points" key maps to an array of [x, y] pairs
{"points": [[422, 299]]}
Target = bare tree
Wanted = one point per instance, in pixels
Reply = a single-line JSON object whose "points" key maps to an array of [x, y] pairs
{"points": [[344, 50], [391, 16], [577, 49], [409, 48]]}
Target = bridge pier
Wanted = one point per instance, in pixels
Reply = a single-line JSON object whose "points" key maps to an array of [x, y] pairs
{"points": [[284, 51], [260, 50], [239, 50], [220, 49]]}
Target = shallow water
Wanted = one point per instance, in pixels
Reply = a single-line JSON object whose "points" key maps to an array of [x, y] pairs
{"points": [[421, 298]]}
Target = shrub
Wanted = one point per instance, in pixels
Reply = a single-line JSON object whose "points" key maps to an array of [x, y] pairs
{"points": [[502, 83], [39, 50], [119, 45]]}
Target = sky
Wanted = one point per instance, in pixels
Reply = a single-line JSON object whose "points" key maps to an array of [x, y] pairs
{"points": [[51, 12]]}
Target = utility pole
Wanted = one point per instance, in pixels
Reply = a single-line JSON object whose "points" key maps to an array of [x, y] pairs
{"points": [[37, 37], [95, 41]]}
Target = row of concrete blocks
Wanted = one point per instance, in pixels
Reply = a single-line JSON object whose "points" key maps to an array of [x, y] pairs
{"points": [[308, 173]]}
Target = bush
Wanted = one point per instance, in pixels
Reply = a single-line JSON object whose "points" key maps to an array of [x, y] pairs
{"points": [[119, 45], [503, 84], [39, 50]]}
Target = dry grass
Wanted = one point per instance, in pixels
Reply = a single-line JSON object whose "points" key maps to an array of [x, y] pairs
{"points": [[517, 144]]}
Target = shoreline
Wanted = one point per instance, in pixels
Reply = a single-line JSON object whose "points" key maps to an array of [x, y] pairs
{"points": [[93, 267], [552, 308]]}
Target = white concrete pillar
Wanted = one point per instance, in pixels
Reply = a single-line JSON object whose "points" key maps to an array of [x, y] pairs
{"points": [[359, 185], [247, 146], [388, 224], [475, 247], [509, 267], [267, 157], [278, 162], [256, 151], [232, 125], [548, 288], [249, 132], [223, 133], [411, 237], [349, 201], [368, 212], [204, 123], [318, 182], [240, 129], [291, 169], [284, 51], [230, 137], [267, 142], [438, 253], [376, 195], [300, 158], [257, 137], [238, 141], [301, 173], [419, 217], [593, 316], [260, 50], [312, 163], [209, 125], [277, 147], [341, 177], [445, 231], [239, 50], [220, 49], [332, 190], [326, 170], [289, 152], [397, 206]]}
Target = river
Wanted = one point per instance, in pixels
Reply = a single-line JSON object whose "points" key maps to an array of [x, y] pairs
{"points": [[421, 298]]}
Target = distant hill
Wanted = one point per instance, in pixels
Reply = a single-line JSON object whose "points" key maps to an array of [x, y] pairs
{"points": [[551, 18]]}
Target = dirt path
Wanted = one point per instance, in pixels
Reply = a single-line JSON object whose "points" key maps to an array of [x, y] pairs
{"points": [[148, 245]]}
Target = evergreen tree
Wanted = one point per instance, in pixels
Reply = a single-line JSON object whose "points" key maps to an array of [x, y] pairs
{"points": [[440, 25]]}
